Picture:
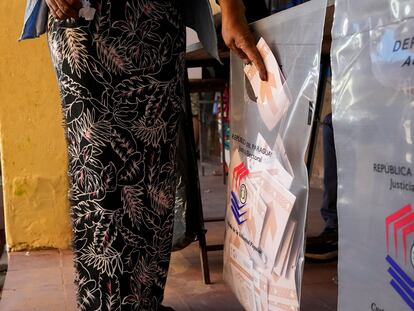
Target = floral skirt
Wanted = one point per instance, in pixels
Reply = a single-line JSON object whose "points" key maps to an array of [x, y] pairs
{"points": [[121, 84]]}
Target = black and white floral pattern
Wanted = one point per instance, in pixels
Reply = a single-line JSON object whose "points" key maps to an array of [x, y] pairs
{"points": [[121, 83]]}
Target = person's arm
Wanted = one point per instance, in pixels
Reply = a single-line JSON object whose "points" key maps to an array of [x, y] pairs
{"points": [[237, 35]]}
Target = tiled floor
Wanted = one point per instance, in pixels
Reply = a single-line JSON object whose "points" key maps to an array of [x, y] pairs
{"points": [[39, 281], [43, 280]]}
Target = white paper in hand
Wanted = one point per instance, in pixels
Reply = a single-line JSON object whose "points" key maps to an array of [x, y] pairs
{"points": [[273, 97]]}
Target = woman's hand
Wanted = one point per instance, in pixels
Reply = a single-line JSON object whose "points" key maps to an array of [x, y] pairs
{"points": [[237, 35], [64, 9]]}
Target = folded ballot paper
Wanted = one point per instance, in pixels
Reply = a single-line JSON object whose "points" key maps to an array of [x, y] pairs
{"points": [[260, 234], [277, 164], [267, 188], [272, 96]]}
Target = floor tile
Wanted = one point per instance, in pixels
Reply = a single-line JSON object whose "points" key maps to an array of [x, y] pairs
{"points": [[33, 278], [24, 260]]}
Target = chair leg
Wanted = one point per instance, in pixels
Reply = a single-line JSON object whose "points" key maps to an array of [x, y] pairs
{"points": [[204, 258]]}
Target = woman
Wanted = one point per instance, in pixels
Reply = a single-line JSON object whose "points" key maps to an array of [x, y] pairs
{"points": [[121, 82]]}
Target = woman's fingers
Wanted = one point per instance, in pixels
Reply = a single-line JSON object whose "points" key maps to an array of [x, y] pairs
{"points": [[56, 10], [254, 56], [64, 9], [239, 52], [52, 7]]}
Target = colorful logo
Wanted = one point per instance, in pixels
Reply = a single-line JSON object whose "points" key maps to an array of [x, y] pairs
{"points": [[402, 223], [237, 205], [239, 172], [236, 209], [243, 193]]}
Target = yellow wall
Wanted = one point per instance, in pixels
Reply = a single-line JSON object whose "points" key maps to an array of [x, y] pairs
{"points": [[32, 140]]}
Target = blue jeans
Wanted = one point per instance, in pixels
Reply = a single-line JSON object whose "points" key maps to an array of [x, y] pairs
{"points": [[330, 180]]}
